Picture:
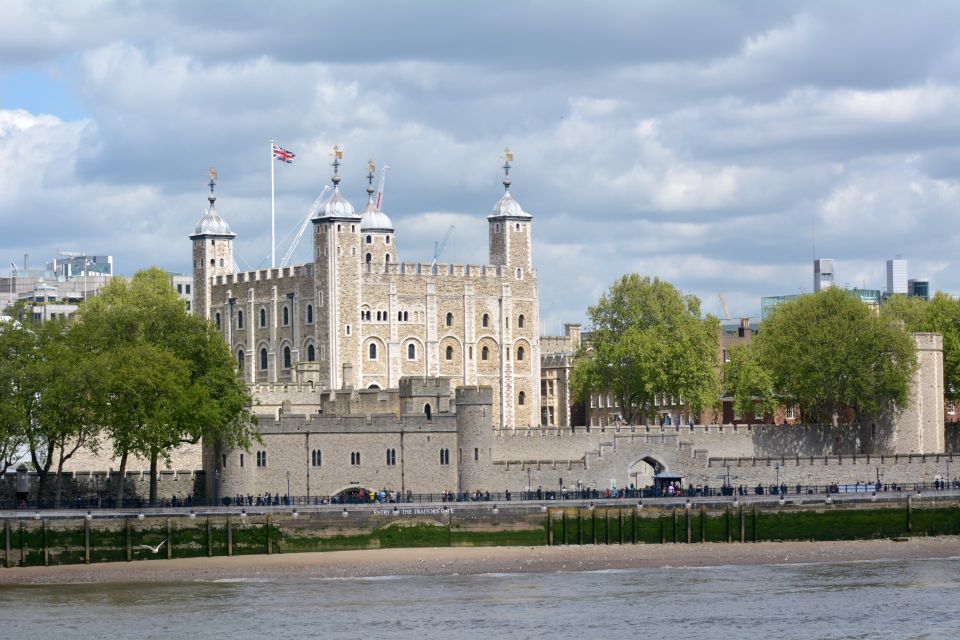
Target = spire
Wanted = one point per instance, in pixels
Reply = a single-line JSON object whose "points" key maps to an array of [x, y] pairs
{"points": [[371, 169], [212, 224], [507, 159], [337, 155], [213, 183]]}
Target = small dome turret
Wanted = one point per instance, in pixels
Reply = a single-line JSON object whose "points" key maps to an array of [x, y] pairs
{"points": [[506, 206], [336, 206], [212, 224]]}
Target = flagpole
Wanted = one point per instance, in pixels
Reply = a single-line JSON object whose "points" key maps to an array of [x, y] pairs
{"points": [[273, 211]]}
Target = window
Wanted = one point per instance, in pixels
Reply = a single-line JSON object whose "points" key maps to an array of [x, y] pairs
{"points": [[406, 316], [485, 354], [240, 360], [263, 358], [263, 317], [217, 319], [286, 316], [179, 288], [213, 262], [519, 353], [239, 319], [411, 352], [449, 353], [388, 239], [391, 457], [311, 353], [520, 321], [315, 458], [387, 258], [476, 453], [449, 319], [399, 316], [261, 458], [348, 329], [369, 258], [355, 458], [518, 226], [373, 351], [522, 399], [519, 274], [428, 411], [286, 357], [309, 314], [486, 320], [241, 459], [369, 241], [444, 456], [188, 289]]}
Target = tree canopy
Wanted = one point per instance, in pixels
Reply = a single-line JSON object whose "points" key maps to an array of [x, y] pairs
{"points": [[828, 353], [649, 345]]}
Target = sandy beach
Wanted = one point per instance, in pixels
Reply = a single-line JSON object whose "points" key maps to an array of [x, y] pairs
{"points": [[477, 560]]}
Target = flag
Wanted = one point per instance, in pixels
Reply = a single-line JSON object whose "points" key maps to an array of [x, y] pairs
{"points": [[281, 154]]}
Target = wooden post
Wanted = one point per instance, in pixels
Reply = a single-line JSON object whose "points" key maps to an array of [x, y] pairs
{"points": [[755, 533], [229, 537], [86, 541], [606, 526], [676, 524], [169, 542], [703, 524], [269, 541], [729, 528], [689, 525], [743, 525], [909, 514], [549, 541], [46, 550], [663, 535], [593, 527], [620, 524], [634, 529], [563, 525], [209, 539], [7, 557], [129, 543]]}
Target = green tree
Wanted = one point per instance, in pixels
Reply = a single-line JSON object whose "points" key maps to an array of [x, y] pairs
{"points": [[16, 349], [747, 381], [649, 344], [940, 315], [171, 379], [834, 357]]}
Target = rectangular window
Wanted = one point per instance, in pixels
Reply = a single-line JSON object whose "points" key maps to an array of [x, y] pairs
{"points": [[789, 413], [241, 459], [476, 453], [188, 289]]}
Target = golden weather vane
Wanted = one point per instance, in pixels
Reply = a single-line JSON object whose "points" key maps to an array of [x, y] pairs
{"points": [[213, 174], [337, 153], [507, 154], [371, 168]]}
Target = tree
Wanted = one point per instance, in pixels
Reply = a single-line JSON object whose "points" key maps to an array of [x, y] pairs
{"points": [[839, 361], [940, 315], [171, 378], [16, 345], [748, 382], [649, 344]]}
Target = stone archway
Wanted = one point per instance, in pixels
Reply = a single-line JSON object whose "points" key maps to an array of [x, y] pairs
{"points": [[642, 471]]}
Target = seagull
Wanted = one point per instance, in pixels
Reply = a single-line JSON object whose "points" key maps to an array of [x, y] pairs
{"points": [[155, 549]]}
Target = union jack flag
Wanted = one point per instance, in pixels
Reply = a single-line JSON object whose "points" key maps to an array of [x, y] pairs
{"points": [[281, 154]]}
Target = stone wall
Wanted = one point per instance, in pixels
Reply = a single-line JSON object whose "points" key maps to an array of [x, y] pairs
{"points": [[85, 486]]}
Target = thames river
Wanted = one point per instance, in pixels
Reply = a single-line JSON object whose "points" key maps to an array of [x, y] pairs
{"points": [[876, 599]]}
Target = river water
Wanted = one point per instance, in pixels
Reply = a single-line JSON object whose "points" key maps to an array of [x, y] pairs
{"points": [[880, 599]]}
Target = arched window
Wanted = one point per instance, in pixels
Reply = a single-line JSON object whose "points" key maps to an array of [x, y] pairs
{"points": [[239, 319], [391, 457], [406, 316], [387, 258], [286, 357], [240, 360], [388, 239], [263, 317], [411, 352], [286, 316], [428, 411], [449, 319], [263, 358], [213, 262], [316, 458], [486, 320], [519, 353], [217, 319], [485, 353], [369, 258], [520, 321], [373, 351], [309, 314], [399, 316], [369, 241], [449, 353], [311, 353], [522, 398]]}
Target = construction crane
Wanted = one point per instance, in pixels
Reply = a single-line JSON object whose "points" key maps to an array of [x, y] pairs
{"points": [[723, 303], [303, 227], [383, 177], [439, 245]]}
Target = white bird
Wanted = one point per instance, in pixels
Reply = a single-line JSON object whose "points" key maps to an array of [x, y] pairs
{"points": [[155, 549]]}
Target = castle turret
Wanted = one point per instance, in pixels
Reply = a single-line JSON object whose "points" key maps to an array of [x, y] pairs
{"points": [[510, 228], [212, 252], [336, 242], [379, 243]]}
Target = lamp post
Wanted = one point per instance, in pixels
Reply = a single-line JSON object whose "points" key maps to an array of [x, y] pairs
{"points": [[528, 482], [216, 487], [289, 497], [777, 467]]}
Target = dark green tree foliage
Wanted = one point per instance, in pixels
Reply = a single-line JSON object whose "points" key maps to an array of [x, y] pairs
{"points": [[171, 379], [940, 315], [649, 344], [834, 357], [17, 347], [749, 384]]}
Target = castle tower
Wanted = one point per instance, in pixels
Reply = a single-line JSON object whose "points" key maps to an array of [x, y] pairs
{"points": [[337, 260], [510, 227], [379, 244], [212, 252]]}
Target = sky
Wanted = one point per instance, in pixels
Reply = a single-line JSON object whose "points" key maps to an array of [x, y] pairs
{"points": [[716, 145]]}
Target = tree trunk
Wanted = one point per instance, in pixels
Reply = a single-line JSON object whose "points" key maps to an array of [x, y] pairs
{"points": [[58, 485], [153, 476], [43, 471], [123, 477]]}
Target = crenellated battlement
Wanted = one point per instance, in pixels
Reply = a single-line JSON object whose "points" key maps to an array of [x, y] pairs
{"points": [[261, 275]]}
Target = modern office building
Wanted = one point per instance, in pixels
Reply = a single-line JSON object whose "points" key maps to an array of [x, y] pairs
{"points": [[897, 276], [823, 275], [917, 288]]}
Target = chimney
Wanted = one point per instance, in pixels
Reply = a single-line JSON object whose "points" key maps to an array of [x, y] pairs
{"points": [[744, 327]]}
